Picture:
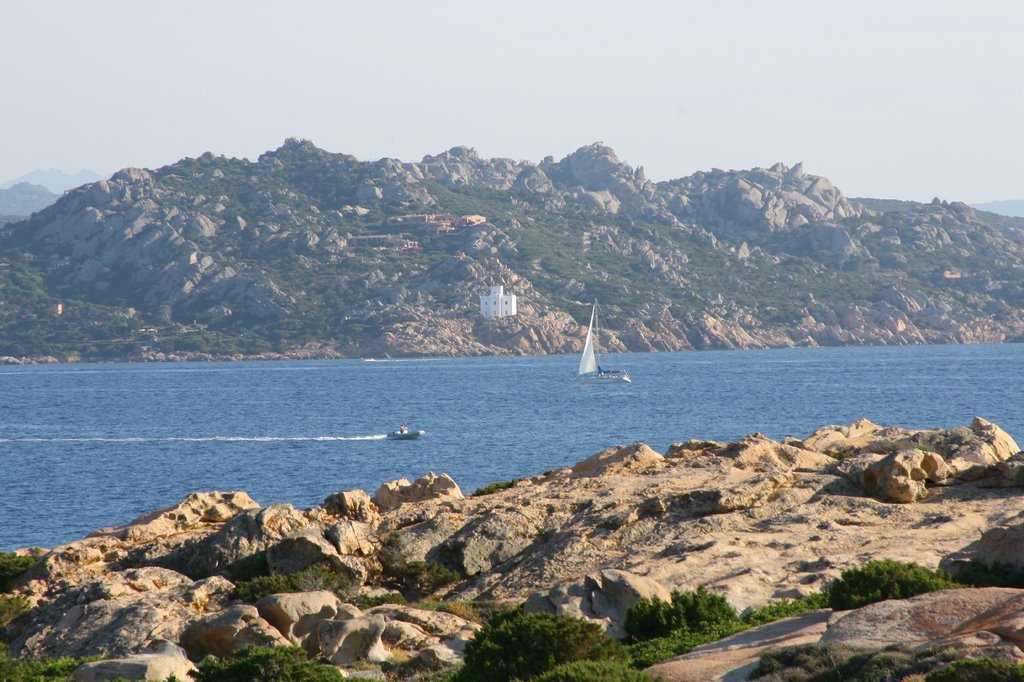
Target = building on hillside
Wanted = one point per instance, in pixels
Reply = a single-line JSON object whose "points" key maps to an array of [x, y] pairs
{"points": [[436, 223], [470, 221], [497, 303], [384, 242]]}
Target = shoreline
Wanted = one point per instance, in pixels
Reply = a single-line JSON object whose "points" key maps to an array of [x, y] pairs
{"points": [[326, 354]]}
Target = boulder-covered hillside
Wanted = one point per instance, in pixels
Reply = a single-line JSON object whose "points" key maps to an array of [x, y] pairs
{"points": [[310, 253]]}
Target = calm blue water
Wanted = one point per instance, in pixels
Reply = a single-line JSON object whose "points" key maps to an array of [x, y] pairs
{"points": [[88, 446]]}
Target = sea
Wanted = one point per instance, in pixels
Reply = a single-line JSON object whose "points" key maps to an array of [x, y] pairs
{"points": [[88, 446]]}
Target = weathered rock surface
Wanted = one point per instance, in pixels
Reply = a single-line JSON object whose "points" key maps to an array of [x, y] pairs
{"points": [[603, 597], [618, 459], [119, 618], [353, 504], [229, 630], [392, 495], [924, 620], [252, 532], [353, 640], [903, 476], [297, 614], [161, 660]]}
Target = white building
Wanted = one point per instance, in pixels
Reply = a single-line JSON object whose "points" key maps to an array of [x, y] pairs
{"points": [[498, 303]]}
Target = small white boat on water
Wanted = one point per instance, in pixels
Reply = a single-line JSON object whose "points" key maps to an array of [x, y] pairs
{"points": [[404, 433], [590, 369]]}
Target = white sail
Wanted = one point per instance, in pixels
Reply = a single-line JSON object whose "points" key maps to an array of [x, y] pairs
{"points": [[588, 363]]}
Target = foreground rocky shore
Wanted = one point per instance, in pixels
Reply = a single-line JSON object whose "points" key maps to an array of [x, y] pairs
{"points": [[755, 520]]}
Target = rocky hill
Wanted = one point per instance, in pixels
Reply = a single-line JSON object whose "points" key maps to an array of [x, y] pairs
{"points": [[755, 520], [24, 199], [309, 253]]}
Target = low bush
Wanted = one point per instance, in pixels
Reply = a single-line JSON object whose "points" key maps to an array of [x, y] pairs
{"points": [[814, 662], [648, 652], [12, 566], [364, 601], [11, 606], [418, 579], [266, 664], [495, 487], [786, 608], [308, 580], [698, 611], [884, 579], [38, 669], [978, 670], [996, 574], [595, 671], [476, 611], [511, 645], [250, 567]]}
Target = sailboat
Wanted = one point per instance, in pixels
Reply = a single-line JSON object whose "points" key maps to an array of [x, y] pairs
{"points": [[589, 367]]}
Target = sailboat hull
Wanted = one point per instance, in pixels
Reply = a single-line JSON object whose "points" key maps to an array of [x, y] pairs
{"points": [[607, 375]]}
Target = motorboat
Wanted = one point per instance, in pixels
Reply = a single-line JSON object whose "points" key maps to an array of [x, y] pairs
{"points": [[406, 434]]}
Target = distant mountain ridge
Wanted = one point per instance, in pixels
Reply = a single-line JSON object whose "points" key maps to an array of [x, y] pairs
{"points": [[1013, 208], [55, 180], [300, 252]]}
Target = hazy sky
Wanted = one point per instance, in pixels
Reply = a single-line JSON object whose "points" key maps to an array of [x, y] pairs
{"points": [[896, 99]]}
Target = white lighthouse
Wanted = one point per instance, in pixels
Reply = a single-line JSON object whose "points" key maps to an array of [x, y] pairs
{"points": [[498, 303]]}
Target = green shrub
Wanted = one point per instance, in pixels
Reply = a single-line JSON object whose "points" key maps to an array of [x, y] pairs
{"points": [[797, 663], [786, 608], [838, 662], [516, 646], [38, 669], [884, 579], [250, 567], [697, 611], [11, 606], [648, 652], [417, 579], [13, 565], [495, 487], [978, 670], [263, 664], [996, 574], [594, 671], [308, 580], [365, 601]]}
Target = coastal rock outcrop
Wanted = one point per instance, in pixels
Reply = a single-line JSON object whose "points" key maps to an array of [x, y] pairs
{"points": [[120, 617], [229, 630], [295, 615], [903, 476], [394, 494], [754, 520], [247, 534]]}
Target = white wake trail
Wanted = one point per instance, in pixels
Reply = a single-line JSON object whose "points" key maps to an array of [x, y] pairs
{"points": [[192, 439]]}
